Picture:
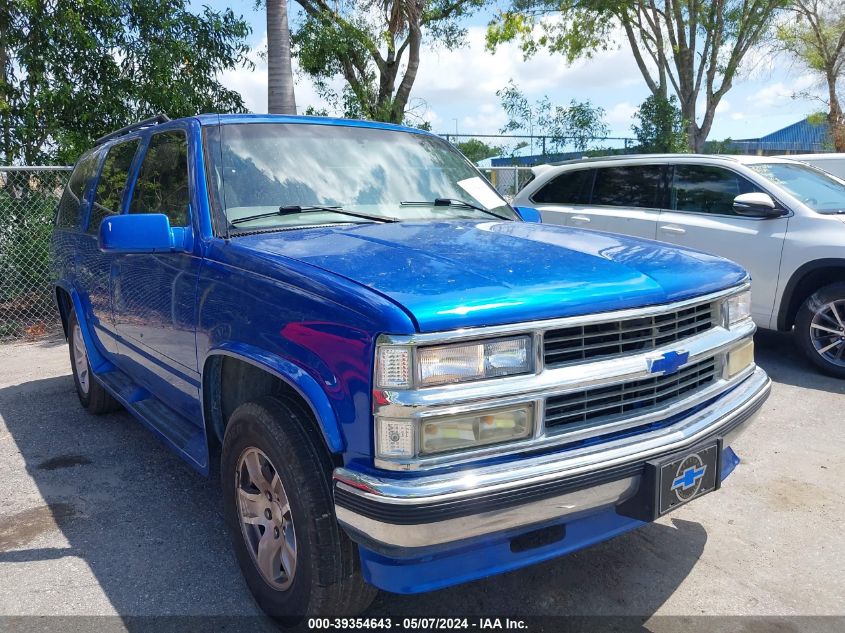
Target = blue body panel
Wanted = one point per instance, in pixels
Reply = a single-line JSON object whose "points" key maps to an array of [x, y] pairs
{"points": [[307, 306], [473, 273]]}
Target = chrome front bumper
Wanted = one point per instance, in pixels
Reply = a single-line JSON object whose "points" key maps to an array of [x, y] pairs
{"points": [[408, 515]]}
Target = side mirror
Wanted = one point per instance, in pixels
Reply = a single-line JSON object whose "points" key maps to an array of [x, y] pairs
{"points": [[757, 205], [529, 214], [142, 233]]}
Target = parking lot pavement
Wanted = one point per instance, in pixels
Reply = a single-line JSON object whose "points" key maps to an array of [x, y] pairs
{"points": [[96, 517]]}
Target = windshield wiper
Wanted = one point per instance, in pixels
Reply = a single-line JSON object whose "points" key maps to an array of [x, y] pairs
{"points": [[294, 209], [452, 202]]}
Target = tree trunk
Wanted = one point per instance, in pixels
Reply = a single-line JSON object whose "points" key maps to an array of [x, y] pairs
{"points": [[280, 94], [835, 118]]}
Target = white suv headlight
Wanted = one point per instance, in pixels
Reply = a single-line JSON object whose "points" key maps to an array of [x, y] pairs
{"points": [[401, 367], [739, 307]]}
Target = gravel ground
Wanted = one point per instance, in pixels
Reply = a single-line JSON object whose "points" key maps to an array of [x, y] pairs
{"points": [[97, 518]]}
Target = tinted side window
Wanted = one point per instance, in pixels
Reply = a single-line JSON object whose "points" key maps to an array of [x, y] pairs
{"points": [[162, 185], [633, 186], [112, 183], [706, 189], [69, 206], [572, 187]]}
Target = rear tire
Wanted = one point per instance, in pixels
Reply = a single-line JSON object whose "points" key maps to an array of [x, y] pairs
{"points": [[92, 395], [820, 329], [278, 507]]}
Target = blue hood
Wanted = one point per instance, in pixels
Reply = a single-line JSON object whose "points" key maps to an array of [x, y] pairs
{"points": [[456, 274]]}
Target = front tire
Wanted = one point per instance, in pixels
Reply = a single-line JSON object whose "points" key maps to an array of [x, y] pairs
{"points": [[279, 511], [820, 329], [92, 395]]}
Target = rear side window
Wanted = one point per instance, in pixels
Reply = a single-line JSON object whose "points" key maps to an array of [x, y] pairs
{"points": [[162, 185], [70, 205], [632, 186], [570, 187], [112, 183], [705, 189]]}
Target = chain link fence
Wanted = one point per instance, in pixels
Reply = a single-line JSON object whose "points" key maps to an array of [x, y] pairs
{"points": [[507, 180], [28, 200]]}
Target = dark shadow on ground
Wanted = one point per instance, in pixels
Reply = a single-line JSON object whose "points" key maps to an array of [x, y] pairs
{"points": [[777, 353], [151, 531]]}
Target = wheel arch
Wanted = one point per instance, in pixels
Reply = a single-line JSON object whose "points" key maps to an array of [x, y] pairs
{"points": [[257, 374], [68, 299], [805, 281], [64, 304]]}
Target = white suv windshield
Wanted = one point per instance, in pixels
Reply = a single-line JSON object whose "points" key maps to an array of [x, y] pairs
{"points": [[817, 190], [282, 175]]}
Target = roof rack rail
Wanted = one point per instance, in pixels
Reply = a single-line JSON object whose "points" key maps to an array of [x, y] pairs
{"points": [[153, 120]]}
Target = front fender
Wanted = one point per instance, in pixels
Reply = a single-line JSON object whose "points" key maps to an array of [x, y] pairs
{"points": [[294, 376]]}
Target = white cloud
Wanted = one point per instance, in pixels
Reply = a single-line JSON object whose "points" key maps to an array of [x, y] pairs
{"points": [[622, 114], [462, 83], [778, 93]]}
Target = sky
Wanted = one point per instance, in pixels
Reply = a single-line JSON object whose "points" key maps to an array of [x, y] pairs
{"points": [[456, 90]]}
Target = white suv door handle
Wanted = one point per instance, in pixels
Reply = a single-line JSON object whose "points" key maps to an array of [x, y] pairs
{"points": [[580, 218], [672, 229]]}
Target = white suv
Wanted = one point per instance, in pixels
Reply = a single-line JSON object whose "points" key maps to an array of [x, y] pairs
{"points": [[783, 220]]}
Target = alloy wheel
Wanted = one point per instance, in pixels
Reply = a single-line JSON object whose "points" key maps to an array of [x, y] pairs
{"points": [[80, 359], [827, 332], [266, 520]]}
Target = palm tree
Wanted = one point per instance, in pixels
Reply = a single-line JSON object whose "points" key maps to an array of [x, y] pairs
{"points": [[280, 96]]}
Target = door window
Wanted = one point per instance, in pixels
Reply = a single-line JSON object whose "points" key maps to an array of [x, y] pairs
{"points": [[71, 202], [706, 189], [570, 187], [631, 186], [112, 183], [162, 185]]}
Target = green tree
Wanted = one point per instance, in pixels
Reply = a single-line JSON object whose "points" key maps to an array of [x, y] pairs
{"points": [[71, 70], [576, 124], [659, 126], [816, 37], [375, 47], [693, 47], [476, 150]]}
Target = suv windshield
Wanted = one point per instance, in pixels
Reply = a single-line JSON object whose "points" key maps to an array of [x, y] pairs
{"points": [[819, 191], [261, 171]]}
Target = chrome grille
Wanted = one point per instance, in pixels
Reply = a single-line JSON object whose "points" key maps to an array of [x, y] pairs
{"points": [[601, 404], [615, 338]]}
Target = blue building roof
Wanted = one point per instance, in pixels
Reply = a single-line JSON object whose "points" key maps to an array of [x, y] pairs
{"points": [[802, 136]]}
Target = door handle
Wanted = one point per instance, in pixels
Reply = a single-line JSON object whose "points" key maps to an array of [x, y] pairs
{"points": [[672, 229], [580, 218]]}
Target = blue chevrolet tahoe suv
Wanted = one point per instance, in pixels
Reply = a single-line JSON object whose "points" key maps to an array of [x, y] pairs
{"points": [[405, 382]]}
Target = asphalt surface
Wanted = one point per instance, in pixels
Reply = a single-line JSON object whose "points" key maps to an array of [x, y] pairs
{"points": [[97, 518]]}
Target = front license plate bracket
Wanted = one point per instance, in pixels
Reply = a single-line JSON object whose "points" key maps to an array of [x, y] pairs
{"points": [[672, 481]]}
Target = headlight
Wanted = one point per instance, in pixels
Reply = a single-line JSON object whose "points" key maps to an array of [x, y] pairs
{"points": [[402, 367], [739, 307], [442, 434]]}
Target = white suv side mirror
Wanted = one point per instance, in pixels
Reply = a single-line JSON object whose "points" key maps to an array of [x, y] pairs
{"points": [[757, 205]]}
